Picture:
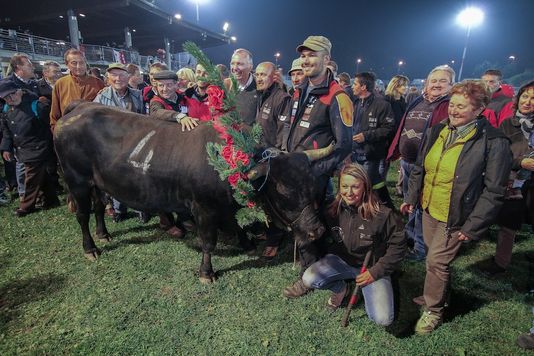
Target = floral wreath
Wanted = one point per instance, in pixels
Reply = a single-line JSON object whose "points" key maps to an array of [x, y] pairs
{"points": [[234, 157]]}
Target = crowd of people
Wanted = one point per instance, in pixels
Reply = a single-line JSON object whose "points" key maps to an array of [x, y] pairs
{"points": [[466, 155]]}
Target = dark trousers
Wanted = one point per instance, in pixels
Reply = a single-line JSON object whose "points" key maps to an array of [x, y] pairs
{"points": [[10, 171], [37, 179]]}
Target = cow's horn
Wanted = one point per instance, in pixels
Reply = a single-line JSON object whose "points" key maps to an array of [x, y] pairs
{"points": [[314, 155]]}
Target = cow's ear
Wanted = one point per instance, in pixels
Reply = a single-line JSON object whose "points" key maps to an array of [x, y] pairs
{"points": [[258, 171]]}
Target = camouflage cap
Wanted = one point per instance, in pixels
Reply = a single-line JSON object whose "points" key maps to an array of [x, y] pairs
{"points": [[296, 65], [316, 44], [116, 66]]}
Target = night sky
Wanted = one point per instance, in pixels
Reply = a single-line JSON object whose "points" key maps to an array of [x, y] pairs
{"points": [[423, 33]]}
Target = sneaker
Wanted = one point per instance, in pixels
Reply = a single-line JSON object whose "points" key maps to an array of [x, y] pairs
{"points": [[492, 269], [296, 290], [427, 323], [526, 341], [337, 299]]}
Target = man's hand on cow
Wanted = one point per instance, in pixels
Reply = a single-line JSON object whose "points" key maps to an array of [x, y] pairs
{"points": [[188, 123], [7, 156], [358, 138]]}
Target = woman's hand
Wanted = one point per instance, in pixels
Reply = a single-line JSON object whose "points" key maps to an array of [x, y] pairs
{"points": [[406, 208], [527, 163], [364, 279]]}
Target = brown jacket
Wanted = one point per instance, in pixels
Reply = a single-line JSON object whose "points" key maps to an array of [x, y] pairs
{"points": [[70, 88]]}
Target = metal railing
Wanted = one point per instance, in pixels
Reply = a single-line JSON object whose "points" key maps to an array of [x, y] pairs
{"points": [[11, 40]]}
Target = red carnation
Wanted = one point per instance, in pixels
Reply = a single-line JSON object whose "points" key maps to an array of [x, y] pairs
{"points": [[227, 153], [234, 178], [215, 97], [251, 204], [242, 156]]}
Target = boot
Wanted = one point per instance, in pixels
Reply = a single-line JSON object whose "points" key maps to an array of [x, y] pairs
{"points": [[337, 299], [296, 290]]}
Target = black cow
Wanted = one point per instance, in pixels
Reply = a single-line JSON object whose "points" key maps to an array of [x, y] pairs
{"points": [[153, 166]]}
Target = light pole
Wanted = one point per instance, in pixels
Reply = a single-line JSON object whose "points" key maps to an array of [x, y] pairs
{"points": [[276, 56], [399, 65], [197, 3], [358, 61], [469, 17]]}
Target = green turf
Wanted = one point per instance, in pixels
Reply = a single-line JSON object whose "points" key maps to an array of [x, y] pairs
{"points": [[143, 297]]}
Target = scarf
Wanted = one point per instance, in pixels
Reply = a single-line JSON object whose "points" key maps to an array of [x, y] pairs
{"points": [[527, 124]]}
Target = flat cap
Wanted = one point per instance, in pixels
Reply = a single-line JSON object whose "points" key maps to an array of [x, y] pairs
{"points": [[165, 74], [7, 86]]}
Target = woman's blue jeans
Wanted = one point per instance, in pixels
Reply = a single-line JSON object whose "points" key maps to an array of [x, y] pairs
{"points": [[331, 271]]}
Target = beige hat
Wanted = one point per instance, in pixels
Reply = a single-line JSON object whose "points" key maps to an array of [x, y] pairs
{"points": [[296, 65], [316, 43], [116, 66]]}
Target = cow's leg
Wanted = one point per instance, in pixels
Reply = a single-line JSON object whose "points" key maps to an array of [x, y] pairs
{"points": [[101, 231], [207, 233], [246, 244], [83, 213]]}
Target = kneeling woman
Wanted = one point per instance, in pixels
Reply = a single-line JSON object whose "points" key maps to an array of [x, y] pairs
{"points": [[364, 225]]}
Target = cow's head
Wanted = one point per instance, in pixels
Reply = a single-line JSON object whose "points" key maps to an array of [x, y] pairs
{"points": [[290, 192]]}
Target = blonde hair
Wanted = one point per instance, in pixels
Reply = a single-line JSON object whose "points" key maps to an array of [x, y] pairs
{"points": [[394, 84], [187, 74], [370, 205]]}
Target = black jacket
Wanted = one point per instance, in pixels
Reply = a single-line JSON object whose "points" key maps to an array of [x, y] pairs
{"points": [[377, 125], [480, 178], [384, 233], [44, 89], [246, 102], [323, 117], [27, 133], [271, 115], [30, 86]]}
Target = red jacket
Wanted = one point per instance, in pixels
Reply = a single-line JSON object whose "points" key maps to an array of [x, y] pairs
{"points": [[195, 109]]}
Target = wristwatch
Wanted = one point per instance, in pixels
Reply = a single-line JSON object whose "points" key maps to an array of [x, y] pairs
{"points": [[179, 117]]}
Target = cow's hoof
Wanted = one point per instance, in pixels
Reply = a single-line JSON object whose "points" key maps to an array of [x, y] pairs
{"points": [[92, 255], [104, 237], [207, 279]]}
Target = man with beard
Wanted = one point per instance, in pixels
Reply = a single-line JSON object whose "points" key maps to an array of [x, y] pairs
{"points": [[320, 116]]}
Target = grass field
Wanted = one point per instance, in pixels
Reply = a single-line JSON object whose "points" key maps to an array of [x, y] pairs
{"points": [[143, 297]]}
